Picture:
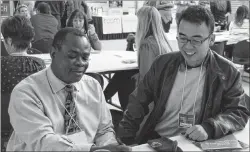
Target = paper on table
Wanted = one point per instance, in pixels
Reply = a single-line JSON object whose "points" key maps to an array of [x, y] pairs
{"points": [[227, 142]]}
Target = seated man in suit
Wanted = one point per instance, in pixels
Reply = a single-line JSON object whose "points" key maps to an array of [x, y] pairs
{"points": [[60, 108], [195, 90]]}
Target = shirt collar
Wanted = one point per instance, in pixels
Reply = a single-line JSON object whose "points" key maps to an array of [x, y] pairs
{"points": [[56, 84]]}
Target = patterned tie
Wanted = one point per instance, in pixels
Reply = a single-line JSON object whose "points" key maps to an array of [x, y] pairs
{"points": [[69, 124]]}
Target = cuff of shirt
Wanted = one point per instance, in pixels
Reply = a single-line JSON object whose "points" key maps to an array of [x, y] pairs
{"points": [[209, 129], [82, 147]]}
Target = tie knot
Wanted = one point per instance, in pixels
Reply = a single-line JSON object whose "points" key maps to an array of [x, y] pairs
{"points": [[70, 88]]}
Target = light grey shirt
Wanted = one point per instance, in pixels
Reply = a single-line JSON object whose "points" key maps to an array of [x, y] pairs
{"points": [[37, 114], [168, 123]]}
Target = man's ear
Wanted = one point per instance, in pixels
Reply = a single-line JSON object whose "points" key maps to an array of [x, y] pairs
{"points": [[212, 40], [53, 52]]}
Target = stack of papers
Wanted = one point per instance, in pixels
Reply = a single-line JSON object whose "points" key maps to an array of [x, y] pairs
{"points": [[227, 142]]}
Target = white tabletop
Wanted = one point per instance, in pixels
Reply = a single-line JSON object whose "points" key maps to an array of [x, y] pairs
{"points": [[187, 145], [105, 61]]}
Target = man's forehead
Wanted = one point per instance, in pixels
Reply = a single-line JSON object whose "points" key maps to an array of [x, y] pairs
{"points": [[73, 39]]}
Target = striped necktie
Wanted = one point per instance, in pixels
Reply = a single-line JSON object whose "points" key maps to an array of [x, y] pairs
{"points": [[70, 112]]}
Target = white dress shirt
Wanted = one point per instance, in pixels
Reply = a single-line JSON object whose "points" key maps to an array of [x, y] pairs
{"points": [[37, 114]]}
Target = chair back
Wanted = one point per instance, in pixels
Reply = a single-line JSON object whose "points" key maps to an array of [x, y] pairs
{"points": [[241, 53], [43, 45], [33, 51], [6, 128]]}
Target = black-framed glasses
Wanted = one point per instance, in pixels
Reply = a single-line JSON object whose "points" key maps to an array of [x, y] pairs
{"points": [[193, 42]]}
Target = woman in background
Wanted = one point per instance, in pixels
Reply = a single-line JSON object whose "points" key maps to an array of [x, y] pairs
{"points": [[165, 9], [78, 19], [17, 33], [238, 29], [151, 42], [23, 11], [221, 9]]}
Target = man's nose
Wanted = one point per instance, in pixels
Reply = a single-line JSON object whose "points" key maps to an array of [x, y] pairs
{"points": [[80, 61], [188, 45]]}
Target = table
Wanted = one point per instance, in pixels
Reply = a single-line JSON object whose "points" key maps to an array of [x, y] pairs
{"points": [[104, 62], [186, 145]]}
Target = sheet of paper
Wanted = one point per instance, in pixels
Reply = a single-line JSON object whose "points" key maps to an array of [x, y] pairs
{"points": [[227, 142]]}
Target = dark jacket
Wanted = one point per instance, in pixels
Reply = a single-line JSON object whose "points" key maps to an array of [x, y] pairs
{"points": [[45, 26], [224, 109], [57, 7]]}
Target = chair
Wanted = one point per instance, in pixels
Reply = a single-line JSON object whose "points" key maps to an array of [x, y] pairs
{"points": [[33, 51], [3, 50], [6, 128], [241, 53], [43, 45], [218, 47], [98, 77]]}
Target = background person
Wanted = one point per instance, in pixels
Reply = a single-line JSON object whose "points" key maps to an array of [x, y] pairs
{"points": [[22, 10], [45, 26], [17, 33], [164, 7], [151, 42], [238, 29], [221, 10], [57, 9], [78, 19]]}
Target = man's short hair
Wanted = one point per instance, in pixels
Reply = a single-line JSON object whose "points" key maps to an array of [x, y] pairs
{"points": [[44, 8], [60, 36], [19, 29], [197, 14]]}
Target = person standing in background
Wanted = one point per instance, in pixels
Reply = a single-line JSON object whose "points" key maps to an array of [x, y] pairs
{"points": [[221, 10], [45, 26], [57, 9], [165, 9], [238, 29]]}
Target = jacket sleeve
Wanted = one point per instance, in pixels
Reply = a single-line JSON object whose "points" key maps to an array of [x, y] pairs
{"points": [[137, 107], [234, 113]]}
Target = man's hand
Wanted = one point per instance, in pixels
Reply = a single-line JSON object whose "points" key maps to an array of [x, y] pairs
{"points": [[112, 148], [196, 133]]}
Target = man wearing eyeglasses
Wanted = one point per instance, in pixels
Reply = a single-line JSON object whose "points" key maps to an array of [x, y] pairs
{"points": [[194, 92], [60, 108]]}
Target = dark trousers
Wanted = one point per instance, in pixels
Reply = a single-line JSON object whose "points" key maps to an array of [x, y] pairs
{"points": [[123, 83], [229, 51], [166, 26]]}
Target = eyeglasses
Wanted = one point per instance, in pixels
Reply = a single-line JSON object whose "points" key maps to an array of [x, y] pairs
{"points": [[193, 42]]}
